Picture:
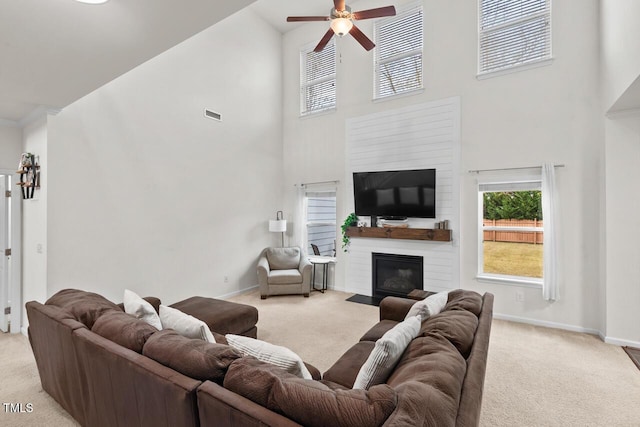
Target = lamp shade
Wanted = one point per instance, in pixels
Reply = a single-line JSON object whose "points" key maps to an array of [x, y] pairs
{"points": [[278, 225]]}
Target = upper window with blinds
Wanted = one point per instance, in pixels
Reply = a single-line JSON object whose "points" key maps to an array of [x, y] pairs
{"points": [[398, 53], [513, 33], [318, 79]]}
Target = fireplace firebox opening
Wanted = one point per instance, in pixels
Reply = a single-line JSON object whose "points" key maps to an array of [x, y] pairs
{"points": [[396, 275]]}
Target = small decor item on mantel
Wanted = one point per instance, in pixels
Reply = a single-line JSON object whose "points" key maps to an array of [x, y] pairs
{"points": [[442, 225], [29, 170], [350, 221], [393, 223]]}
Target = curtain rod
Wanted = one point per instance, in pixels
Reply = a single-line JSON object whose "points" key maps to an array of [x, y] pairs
{"points": [[509, 169], [304, 184]]}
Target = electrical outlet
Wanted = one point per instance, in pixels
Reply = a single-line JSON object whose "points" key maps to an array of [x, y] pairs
{"points": [[519, 296], [226, 279]]}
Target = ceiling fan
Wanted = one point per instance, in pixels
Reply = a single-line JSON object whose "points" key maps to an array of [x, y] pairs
{"points": [[342, 19]]}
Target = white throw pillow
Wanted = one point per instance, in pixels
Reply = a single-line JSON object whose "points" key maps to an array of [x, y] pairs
{"points": [[270, 353], [185, 324], [430, 306], [141, 309], [386, 353]]}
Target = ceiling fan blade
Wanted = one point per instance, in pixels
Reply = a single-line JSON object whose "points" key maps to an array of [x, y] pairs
{"points": [[307, 18], [375, 13], [362, 38], [339, 5], [324, 41]]}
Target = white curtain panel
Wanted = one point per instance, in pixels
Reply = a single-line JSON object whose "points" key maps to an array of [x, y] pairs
{"points": [[550, 245], [298, 219]]}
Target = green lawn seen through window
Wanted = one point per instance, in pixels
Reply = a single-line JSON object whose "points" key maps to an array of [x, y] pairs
{"points": [[514, 259]]}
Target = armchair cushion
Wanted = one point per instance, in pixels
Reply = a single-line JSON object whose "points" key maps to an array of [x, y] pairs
{"points": [[285, 277], [283, 258]]}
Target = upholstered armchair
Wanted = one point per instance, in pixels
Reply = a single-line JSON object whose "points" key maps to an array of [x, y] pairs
{"points": [[284, 271]]}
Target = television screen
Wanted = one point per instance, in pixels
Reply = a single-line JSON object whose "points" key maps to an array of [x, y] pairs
{"points": [[406, 193]]}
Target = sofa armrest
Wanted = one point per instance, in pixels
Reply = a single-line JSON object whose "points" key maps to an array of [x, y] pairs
{"points": [[305, 264], [395, 308], [471, 397], [221, 407], [305, 267], [263, 271]]}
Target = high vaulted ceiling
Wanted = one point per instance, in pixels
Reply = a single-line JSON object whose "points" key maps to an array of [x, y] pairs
{"points": [[53, 52]]}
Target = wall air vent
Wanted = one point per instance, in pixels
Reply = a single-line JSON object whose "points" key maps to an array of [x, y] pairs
{"points": [[212, 114]]}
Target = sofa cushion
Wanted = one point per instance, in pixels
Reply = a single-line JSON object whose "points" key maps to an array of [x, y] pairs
{"points": [[185, 324], [428, 380], [430, 306], [345, 370], [283, 258], [270, 353], [386, 353], [457, 326], [192, 357], [460, 299], [155, 303], [124, 329], [285, 277], [84, 306], [378, 330], [310, 403], [141, 309]]}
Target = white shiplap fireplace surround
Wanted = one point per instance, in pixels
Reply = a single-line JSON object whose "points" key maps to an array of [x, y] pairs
{"points": [[421, 136]]}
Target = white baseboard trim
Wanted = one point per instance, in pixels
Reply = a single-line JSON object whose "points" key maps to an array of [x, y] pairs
{"points": [[239, 292], [609, 340], [23, 331], [338, 288], [621, 342], [547, 324]]}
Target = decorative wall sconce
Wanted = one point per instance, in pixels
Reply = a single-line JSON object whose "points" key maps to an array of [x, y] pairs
{"points": [[279, 225], [29, 170]]}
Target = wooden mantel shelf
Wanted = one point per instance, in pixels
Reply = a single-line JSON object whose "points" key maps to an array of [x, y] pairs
{"points": [[401, 233]]}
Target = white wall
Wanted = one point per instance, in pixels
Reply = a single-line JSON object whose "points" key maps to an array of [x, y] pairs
{"points": [[620, 41], [34, 221], [623, 231], [10, 146], [148, 194], [521, 119], [620, 44]]}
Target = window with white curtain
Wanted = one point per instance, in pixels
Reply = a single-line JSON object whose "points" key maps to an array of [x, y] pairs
{"points": [[511, 230], [320, 219], [318, 79], [513, 34], [398, 53]]}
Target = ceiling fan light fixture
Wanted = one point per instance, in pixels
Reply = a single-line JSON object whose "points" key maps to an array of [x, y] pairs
{"points": [[341, 26]]}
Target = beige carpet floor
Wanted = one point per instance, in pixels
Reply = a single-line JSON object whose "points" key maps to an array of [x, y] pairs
{"points": [[535, 376]]}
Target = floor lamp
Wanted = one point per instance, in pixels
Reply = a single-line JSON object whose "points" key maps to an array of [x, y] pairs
{"points": [[279, 225]]}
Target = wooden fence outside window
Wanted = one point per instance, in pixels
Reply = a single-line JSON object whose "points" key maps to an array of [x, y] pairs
{"points": [[533, 237]]}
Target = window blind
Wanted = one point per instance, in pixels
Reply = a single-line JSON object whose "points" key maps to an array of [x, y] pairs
{"points": [[318, 79], [513, 32], [510, 186], [398, 53]]}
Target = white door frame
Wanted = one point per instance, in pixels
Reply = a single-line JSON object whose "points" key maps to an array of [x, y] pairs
{"points": [[4, 258], [15, 281]]}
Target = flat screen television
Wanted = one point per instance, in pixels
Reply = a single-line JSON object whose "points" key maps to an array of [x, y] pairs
{"points": [[396, 194]]}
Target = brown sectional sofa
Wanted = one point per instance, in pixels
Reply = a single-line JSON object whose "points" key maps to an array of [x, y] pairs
{"points": [[99, 377]]}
